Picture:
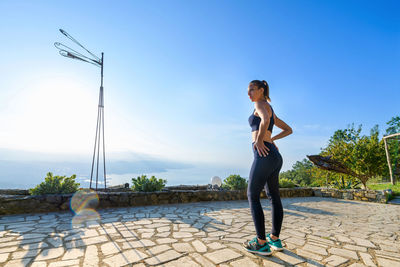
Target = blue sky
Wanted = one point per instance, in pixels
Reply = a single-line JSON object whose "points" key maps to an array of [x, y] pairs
{"points": [[176, 76]]}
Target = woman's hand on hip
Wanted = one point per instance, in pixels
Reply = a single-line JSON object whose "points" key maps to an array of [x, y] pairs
{"points": [[262, 149]]}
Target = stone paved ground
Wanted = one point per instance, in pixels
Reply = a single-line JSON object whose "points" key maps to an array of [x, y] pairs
{"points": [[316, 232]]}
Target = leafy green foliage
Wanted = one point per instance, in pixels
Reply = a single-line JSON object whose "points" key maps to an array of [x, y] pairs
{"points": [[342, 184], [144, 184], [56, 185], [382, 186], [300, 173], [394, 126], [364, 155], [286, 183], [234, 182]]}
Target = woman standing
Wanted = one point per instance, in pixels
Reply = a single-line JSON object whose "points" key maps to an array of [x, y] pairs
{"points": [[264, 172]]}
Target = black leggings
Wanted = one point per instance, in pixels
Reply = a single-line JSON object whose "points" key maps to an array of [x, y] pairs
{"points": [[265, 173]]}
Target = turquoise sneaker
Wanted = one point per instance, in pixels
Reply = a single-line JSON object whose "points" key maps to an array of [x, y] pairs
{"points": [[275, 244], [254, 247]]}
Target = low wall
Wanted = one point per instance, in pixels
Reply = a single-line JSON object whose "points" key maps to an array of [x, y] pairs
{"points": [[17, 204], [352, 194]]}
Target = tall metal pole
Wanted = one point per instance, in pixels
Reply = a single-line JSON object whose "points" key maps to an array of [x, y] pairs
{"points": [[99, 134], [92, 59], [102, 116]]}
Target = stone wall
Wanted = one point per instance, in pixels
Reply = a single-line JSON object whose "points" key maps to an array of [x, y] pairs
{"points": [[17, 204], [20, 203], [352, 194]]}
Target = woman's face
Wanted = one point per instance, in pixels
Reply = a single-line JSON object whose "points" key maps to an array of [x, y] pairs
{"points": [[255, 94]]}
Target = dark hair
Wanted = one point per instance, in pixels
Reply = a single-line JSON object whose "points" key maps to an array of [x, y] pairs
{"points": [[262, 84]]}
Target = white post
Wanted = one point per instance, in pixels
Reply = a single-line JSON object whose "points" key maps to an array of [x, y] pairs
{"points": [[388, 160]]}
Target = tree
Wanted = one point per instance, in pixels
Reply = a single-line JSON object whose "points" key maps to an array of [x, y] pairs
{"points": [[300, 173], [362, 155], [393, 146]]}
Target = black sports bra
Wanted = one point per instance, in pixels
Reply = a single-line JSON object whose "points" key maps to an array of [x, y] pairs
{"points": [[255, 121]]}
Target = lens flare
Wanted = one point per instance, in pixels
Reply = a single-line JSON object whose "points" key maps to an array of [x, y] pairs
{"points": [[83, 204]]}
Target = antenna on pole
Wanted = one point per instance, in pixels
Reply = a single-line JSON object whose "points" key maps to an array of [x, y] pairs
{"points": [[99, 137]]}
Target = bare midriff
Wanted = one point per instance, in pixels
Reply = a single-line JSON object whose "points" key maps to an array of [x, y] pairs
{"points": [[266, 137]]}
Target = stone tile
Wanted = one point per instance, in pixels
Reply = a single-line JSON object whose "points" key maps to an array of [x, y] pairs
{"points": [[51, 253], [91, 256], [308, 255], [64, 263], [39, 264], [387, 254], [272, 262], [18, 262], [216, 245], [182, 234], [217, 233], [367, 259], [147, 235], [335, 260], [41, 245], [356, 264], [86, 242], [244, 262], [81, 235], [290, 246], [30, 236], [345, 239], [8, 249], [202, 260], [357, 248], [25, 254], [125, 258], [289, 257], [344, 252], [316, 249], [163, 257], [222, 255], [73, 253], [7, 239], [137, 244], [387, 263], [199, 246], [363, 242], [164, 234], [183, 247], [110, 248], [189, 229], [163, 229], [4, 257], [390, 248], [320, 240], [296, 241], [182, 262], [158, 249], [55, 241], [166, 240]]}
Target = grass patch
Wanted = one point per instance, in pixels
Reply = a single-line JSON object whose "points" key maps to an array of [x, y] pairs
{"points": [[395, 188]]}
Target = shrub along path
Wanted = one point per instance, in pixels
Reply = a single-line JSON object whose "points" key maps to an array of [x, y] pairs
{"points": [[316, 232]]}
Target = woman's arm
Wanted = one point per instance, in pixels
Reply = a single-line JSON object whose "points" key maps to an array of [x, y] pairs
{"points": [[281, 124], [259, 142]]}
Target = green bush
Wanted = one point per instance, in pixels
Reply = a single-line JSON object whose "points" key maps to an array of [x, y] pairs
{"points": [[234, 182], [342, 184], [144, 184], [286, 183], [56, 185]]}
